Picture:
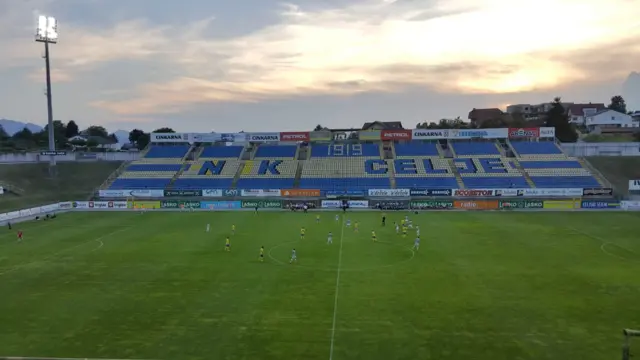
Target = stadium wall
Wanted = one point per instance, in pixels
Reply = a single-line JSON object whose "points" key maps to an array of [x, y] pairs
{"points": [[70, 156], [601, 149]]}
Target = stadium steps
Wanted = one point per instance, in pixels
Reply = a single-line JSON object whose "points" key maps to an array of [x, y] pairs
{"points": [[500, 149], [114, 175], [441, 152], [392, 176], [198, 152], [453, 153], [515, 153], [296, 179], [241, 169], [596, 174], [297, 151], [382, 151], [393, 154], [250, 150], [525, 174], [454, 168], [185, 166], [11, 188]]}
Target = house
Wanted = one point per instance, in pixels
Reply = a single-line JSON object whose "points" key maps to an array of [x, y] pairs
{"points": [[533, 112], [579, 112], [101, 143], [607, 119], [635, 116], [478, 116], [382, 125]]}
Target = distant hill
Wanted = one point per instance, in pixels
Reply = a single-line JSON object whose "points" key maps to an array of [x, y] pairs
{"points": [[12, 126], [123, 136]]}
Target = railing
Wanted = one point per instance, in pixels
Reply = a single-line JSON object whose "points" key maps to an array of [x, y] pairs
{"points": [[596, 173]]}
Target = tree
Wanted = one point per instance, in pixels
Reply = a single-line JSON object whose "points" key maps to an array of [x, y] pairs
{"points": [[72, 129], [517, 120], [557, 117], [97, 131], [143, 141], [618, 104], [24, 134], [456, 123], [320, 128], [3, 134], [134, 135], [493, 123], [113, 138], [91, 143], [164, 130], [59, 134]]}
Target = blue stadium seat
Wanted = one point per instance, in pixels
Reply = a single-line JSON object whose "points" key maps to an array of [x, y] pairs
{"points": [[276, 151], [135, 184], [154, 167], [550, 164], [475, 148], [565, 182], [174, 151], [500, 182], [424, 172], [221, 152], [344, 183], [345, 150], [524, 148], [203, 183], [268, 174], [411, 149]]}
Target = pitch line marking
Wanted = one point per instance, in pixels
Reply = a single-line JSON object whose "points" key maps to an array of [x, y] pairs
{"points": [[335, 302], [604, 245], [17, 267]]}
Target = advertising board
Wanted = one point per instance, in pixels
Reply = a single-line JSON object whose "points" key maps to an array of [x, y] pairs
{"points": [[295, 136], [594, 204], [547, 132], [264, 137], [396, 135], [389, 204], [429, 134], [179, 204], [143, 204], [476, 204], [561, 204], [230, 192], [1, 190], [634, 185], [478, 133], [180, 193], [430, 192], [520, 204], [389, 192], [369, 135], [474, 192], [53, 153], [300, 193], [212, 193], [432, 204], [358, 204], [518, 133], [211, 205], [260, 192], [562, 192], [336, 193], [262, 204], [170, 137], [592, 192], [233, 137], [630, 205], [131, 193], [332, 204]]}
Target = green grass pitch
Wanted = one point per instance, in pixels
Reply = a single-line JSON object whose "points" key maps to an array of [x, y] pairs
{"points": [[483, 286]]}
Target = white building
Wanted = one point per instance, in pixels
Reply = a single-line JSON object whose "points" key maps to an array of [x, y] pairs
{"points": [[608, 118], [578, 113]]}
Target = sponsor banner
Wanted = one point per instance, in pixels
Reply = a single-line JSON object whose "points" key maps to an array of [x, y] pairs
{"points": [[80, 204], [262, 204], [429, 134], [634, 185], [212, 193], [509, 192], [478, 133], [86, 156], [320, 136], [119, 204], [53, 153], [4, 217], [260, 192], [520, 204], [100, 204], [396, 134], [299, 204], [233, 137], [358, 204], [1, 190], [390, 192], [264, 137], [389, 204], [515, 133], [143, 204], [300, 193], [630, 205], [205, 137], [170, 138], [431, 192], [568, 192], [13, 214], [179, 204], [179, 193], [336, 193], [52, 207], [65, 205], [561, 204], [295, 136], [230, 192], [369, 135], [432, 204], [473, 192], [476, 204], [220, 205], [334, 204], [131, 193], [597, 192], [594, 204], [547, 132]]}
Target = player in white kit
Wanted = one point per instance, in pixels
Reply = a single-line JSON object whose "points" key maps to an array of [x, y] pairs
{"points": [[418, 231], [397, 227], [208, 227], [348, 223], [416, 244], [294, 257], [330, 238], [337, 217]]}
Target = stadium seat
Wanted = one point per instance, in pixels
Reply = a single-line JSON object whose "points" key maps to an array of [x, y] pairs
{"points": [[167, 152], [416, 149], [533, 148], [424, 172], [345, 150], [489, 173], [558, 173], [345, 173], [268, 173], [475, 148], [221, 152], [210, 173], [276, 151]]}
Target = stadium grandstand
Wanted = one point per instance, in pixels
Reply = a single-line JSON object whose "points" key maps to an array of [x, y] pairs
{"points": [[386, 159]]}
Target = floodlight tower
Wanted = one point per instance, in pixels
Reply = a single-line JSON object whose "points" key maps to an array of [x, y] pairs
{"points": [[47, 33]]}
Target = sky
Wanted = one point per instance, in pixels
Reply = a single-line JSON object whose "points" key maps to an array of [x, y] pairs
{"points": [[266, 65]]}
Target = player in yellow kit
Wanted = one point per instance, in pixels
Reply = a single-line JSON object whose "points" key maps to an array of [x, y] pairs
{"points": [[355, 226], [402, 222], [227, 245], [404, 230], [261, 253], [302, 231], [233, 229], [374, 238], [317, 218]]}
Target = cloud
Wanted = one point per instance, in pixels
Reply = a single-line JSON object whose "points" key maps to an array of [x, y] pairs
{"points": [[57, 75]]}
